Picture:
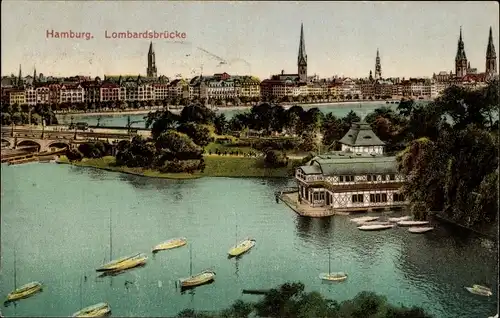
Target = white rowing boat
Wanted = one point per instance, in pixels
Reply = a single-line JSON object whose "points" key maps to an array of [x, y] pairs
{"points": [[412, 223], [399, 219], [375, 227], [97, 310], [479, 291], [170, 244], [364, 219], [420, 229]]}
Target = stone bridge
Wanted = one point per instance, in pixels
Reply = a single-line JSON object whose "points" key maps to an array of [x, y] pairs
{"points": [[49, 139]]}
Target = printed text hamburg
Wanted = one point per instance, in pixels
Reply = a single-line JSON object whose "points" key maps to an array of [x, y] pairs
{"points": [[70, 34]]}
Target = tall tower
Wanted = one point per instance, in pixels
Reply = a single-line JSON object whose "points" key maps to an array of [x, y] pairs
{"points": [[461, 58], [491, 57], [378, 67], [20, 77], [34, 75], [302, 58], [151, 70]]}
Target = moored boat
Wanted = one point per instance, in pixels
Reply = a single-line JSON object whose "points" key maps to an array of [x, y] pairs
{"points": [[479, 291], [412, 223], [475, 286], [242, 247], [170, 244], [374, 223], [198, 279], [364, 219], [375, 227], [420, 229], [97, 310], [132, 262], [24, 291], [113, 265], [333, 277], [399, 219]]}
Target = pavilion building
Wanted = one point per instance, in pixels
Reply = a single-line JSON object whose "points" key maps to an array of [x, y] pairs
{"points": [[359, 177]]}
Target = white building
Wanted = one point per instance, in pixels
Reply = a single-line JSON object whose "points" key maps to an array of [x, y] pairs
{"points": [[71, 94], [352, 180]]}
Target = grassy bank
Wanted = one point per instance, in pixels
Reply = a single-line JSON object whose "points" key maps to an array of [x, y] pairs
{"points": [[215, 166]]}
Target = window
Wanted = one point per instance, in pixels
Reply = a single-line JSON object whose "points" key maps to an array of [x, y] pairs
{"points": [[382, 177], [372, 197], [392, 177], [341, 178], [398, 197], [357, 198], [384, 197], [376, 197], [368, 178], [349, 178]]}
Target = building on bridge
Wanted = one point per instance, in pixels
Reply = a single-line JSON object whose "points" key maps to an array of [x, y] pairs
{"points": [[360, 177]]}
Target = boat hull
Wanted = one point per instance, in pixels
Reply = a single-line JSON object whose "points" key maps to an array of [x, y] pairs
{"points": [[197, 280], [170, 244], [413, 223], [479, 291], [333, 277], [375, 227], [403, 218], [418, 230], [241, 248], [364, 219], [98, 310], [123, 263], [24, 291]]}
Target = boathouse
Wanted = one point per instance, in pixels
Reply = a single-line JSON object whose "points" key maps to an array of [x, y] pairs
{"points": [[359, 177]]}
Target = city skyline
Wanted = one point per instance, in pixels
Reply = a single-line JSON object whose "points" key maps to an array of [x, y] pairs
{"points": [[345, 47]]}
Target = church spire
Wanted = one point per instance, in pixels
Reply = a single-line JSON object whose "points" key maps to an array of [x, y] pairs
{"points": [[34, 74], [151, 70], [460, 58], [491, 56], [378, 67], [302, 57], [20, 78]]}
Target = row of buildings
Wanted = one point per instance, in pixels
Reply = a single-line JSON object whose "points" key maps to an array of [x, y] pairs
{"points": [[281, 87]]}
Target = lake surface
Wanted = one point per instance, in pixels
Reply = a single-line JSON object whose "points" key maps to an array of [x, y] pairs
{"points": [[57, 219], [339, 110]]}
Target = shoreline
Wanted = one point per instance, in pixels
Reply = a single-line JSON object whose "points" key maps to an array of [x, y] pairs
{"points": [[211, 170], [219, 109]]}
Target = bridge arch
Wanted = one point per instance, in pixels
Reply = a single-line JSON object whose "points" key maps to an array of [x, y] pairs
{"points": [[58, 144], [6, 143], [29, 143]]}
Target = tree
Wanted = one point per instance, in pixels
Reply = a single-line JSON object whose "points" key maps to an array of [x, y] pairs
{"points": [[200, 134], [275, 159], [332, 129], [220, 124], [197, 114]]}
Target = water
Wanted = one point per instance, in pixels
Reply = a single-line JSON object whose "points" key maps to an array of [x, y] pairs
{"points": [[57, 217], [339, 110]]}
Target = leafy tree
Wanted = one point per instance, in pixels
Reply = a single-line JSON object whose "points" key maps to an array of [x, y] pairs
{"points": [[220, 124], [200, 134], [197, 114], [275, 158]]}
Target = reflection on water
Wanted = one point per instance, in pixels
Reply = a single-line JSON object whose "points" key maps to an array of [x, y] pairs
{"points": [[61, 230]]}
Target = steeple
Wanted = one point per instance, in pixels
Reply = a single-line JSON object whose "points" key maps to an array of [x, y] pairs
{"points": [[491, 56], [151, 70], [20, 78], [302, 57], [34, 74], [378, 67], [461, 58]]}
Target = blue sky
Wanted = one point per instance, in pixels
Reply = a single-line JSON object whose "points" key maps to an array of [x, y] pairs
{"points": [[261, 38]]}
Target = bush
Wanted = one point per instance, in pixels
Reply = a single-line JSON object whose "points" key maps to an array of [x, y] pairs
{"points": [[74, 154], [188, 166], [275, 159]]}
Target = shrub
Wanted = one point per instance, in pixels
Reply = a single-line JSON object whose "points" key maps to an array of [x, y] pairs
{"points": [[74, 154]]}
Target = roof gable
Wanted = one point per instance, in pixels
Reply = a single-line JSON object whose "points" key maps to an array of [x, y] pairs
{"points": [[361, 135]]}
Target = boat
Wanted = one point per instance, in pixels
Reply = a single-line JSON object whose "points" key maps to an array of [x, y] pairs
{"points": [[241, 247], [170, 244], [198, 279], [479, 291], [364, 219], [420, 229], [97, 310], [374, 223], [375, 227], [481, 287], [496, 316], [122, 263], [399, 219], [412, 223], [24, 291], [335, 276], [202, 278]]}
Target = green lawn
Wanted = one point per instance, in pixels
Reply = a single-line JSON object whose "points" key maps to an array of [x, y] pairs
{"points": [[215, 166], [214, 146]]}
